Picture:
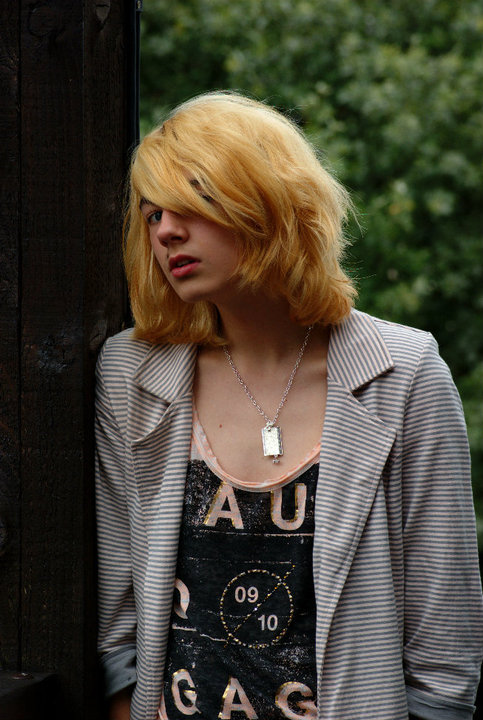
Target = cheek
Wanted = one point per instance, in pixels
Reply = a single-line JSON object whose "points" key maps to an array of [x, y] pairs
{"points": [[232, 260], [159, 251], [160, 257]]}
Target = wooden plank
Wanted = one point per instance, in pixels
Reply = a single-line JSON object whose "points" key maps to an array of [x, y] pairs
{"points": [[52, 505], [73, 110], [107, 146], [9, 330], [63, 160], [106, 308]]}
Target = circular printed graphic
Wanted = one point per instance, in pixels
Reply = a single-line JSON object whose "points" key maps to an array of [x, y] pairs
{"points": [[256, 608]]}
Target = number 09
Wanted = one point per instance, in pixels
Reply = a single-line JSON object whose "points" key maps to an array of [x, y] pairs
{"points": [[241, 594]]}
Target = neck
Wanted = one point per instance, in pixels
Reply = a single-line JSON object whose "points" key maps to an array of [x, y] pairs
{"points": [[262, 328]]}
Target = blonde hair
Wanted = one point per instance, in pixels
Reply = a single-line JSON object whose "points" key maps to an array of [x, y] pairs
{"points": [[264, 182]]}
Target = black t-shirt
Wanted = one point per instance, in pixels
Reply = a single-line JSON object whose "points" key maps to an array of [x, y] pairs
{"points": [[242, 641]]}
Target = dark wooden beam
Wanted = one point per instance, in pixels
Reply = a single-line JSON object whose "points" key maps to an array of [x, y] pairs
{"points": [[66, 83], [9, 336]]}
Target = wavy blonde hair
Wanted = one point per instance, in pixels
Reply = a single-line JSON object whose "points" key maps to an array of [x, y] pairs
{"points": [[263, 181]]}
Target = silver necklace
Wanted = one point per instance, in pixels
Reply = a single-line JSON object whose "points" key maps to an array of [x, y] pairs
{"points": [[271, 433]]}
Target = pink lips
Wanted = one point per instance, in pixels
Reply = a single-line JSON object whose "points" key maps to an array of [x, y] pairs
{"points": [[182, 265]]}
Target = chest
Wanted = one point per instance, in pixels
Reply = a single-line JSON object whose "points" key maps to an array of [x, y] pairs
{"points": [[235, 427]]}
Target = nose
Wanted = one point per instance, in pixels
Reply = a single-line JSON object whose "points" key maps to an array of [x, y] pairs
{"points": [[171, 228]]}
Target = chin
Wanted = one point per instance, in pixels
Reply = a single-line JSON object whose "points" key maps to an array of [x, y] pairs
{"points": [[193, 295]]}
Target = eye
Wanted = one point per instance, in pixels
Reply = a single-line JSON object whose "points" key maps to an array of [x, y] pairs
{"points": [[154, 217], [208, 198]]}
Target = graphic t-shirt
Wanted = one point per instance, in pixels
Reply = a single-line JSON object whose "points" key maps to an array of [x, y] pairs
{"points": [[242, 639]]}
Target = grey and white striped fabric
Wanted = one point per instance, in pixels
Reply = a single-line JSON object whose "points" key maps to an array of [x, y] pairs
{"points": [[399, 611]]}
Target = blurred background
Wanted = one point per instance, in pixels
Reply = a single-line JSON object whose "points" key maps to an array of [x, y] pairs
{"points": [[390, 94]]}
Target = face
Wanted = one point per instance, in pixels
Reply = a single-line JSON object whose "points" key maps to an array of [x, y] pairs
{"points": [[197, 256]]}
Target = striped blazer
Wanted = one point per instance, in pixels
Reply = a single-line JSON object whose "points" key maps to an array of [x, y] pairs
{"points": [[399, 611]]}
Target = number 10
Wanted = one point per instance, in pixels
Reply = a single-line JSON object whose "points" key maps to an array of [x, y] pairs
{"points": [[270, 622]]}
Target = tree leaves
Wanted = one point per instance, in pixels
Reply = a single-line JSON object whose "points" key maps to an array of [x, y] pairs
{"points": [[390, 93]]}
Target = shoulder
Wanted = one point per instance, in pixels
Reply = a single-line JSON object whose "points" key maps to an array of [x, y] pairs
{"points": [[401, 336], [414, 383], [408, 346], [364, 348], [123, 355], [417, 365]]}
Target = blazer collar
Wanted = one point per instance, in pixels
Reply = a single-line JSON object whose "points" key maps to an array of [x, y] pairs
{"points": [[357, 352], [167, 371]]}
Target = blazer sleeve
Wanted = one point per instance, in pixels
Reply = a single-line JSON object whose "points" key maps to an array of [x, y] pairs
{"points": [[117, 612], [443, 637]]}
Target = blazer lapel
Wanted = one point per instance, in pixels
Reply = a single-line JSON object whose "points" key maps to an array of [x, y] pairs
{"points": [[160, 426], [355, 447]]}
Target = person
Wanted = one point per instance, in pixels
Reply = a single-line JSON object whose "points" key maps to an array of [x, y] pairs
{"points": [[285, 515]]}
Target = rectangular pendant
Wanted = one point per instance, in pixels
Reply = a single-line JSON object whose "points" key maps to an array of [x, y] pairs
{"points": [[272, 440]]}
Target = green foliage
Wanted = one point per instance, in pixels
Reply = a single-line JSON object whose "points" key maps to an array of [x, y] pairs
{"points": [[390, 93]]}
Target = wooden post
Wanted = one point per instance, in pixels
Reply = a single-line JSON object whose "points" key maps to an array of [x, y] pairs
{"points": [[66, 128]]}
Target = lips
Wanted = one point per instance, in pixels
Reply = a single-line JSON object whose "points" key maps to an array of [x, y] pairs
{"points": [[182, 265]]}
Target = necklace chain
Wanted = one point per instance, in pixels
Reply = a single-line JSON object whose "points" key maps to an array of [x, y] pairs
{"points": [[270, 423]]}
